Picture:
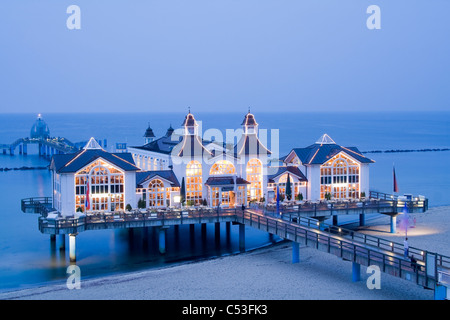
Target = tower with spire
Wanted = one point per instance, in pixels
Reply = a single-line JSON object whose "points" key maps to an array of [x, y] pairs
{"points": [[149, 136]]}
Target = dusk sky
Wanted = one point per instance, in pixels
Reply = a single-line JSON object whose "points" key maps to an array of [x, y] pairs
{"points": [[224, 55]]}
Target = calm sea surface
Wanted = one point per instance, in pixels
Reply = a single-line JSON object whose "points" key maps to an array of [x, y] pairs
{"points": [[26, 258]]}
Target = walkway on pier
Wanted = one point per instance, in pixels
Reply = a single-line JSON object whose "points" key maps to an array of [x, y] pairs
{"points": [[47, 146], [431, 270]]}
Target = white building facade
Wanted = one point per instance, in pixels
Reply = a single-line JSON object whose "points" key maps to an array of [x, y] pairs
{"points": [[183, 167]]}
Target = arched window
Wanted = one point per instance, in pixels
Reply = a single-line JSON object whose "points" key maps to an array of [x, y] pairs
{"points": [[194, 182], [105, 187], [222, 167], [340, 177], [156, 193], [254, 176]]}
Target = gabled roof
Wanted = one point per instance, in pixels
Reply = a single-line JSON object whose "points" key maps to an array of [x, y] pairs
{"points": [[223, 181], [168, 175], [325, 139], [250, 144], [63, 163], [92, 144], [288, 169], [68, 163], [320, 153], [191, 146]]}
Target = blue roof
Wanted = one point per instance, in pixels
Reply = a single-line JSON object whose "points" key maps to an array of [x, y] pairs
{"points": [[168, 175], [68, 163], [321, 153], [288, 169], [250, 144]]}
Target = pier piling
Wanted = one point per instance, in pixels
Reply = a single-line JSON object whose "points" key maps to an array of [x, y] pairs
{"points": [[362, 220], [356, 272], [295, 252], [162, 240], [72, 247], [242, 237], [440, 292], [393, 224], [62, 242], [335, 220]]}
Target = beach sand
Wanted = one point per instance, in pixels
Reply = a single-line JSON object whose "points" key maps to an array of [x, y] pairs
{"points": [[265, 274]]}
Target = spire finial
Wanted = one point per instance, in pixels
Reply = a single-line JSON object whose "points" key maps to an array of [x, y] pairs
{"points": [[248, 109], [189, 109]]}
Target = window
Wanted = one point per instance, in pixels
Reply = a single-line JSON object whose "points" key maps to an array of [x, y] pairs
{"points": [[222, 167], [194, 183], [215, 196], [254, 176], [241, 196], [105, 186], [156, 195], [340, 177]]}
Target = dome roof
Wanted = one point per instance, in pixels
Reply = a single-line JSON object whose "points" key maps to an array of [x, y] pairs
{"points": [[40, 130]]}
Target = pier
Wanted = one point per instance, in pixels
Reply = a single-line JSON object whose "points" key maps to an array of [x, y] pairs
{"points": [[301, 226], [47, 146]]}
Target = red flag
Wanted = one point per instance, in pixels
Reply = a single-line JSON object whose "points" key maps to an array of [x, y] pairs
{"points": [[395, 182]]}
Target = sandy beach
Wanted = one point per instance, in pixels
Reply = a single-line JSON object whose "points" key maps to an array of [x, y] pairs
{"points": [[265, 274]]}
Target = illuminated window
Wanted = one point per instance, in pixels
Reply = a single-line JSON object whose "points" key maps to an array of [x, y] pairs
{"points": [[340, 177], [241, 196], [194, 182], [106, 187], [156, 194], [222, 167], [215, 197], [254, 176]]}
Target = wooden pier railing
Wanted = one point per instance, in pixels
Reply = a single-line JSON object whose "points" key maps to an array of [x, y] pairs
{"points": [[40, 205], [353, 246]]}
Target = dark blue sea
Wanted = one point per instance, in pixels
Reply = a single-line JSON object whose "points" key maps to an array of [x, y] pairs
{"points": [[26, 256]]}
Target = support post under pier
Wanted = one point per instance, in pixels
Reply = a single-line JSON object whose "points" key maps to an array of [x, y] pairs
{"points": [[440, 292], [362, 219], [356, 272], [295, 252], [72, 247], [393, 224], [162, 240], [62, 243], [335, 220], [242, 237]]}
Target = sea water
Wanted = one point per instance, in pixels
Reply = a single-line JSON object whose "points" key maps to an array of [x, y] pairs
{"points": [[28, 259]]}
